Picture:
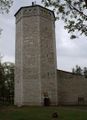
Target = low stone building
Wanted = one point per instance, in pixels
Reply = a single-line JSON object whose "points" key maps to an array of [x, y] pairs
{"points": [[72, 88]]}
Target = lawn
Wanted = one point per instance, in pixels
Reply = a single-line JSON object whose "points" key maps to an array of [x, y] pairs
{"points": [[42, 113]]}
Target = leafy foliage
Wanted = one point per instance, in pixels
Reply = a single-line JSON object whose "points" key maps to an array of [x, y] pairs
{"points": [[6, 82], [72, 12], [79, 71], [5, 5], [85, 71]]}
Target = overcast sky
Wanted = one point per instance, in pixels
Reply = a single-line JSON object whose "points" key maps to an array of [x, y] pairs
{"points": [[69, 52]]}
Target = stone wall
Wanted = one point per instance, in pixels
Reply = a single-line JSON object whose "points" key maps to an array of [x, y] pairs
{"points": [[35, 71], [27, 89], [48, 58], [72, 89]]}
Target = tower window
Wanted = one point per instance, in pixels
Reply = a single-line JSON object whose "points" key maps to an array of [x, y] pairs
{"points": [[49, 13], [29, 9]]}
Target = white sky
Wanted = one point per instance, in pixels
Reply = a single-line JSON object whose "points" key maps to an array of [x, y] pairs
{"points": [[69, 52]]}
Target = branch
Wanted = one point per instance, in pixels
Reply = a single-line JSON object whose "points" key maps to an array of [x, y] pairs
{"points": [[77, 9], [85, 2]]}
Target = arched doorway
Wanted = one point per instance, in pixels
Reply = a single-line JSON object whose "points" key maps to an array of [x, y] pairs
{"points": [[46, 99]]}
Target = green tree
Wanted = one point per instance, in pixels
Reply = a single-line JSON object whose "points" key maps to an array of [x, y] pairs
{"points": [[6, 82], [85, 72], [2, 86], [9, 80], [5, 5], [77, 70], [72, 12]]}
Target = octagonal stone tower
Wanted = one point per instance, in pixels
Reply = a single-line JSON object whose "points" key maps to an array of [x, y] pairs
{"points": [[35, 70]]}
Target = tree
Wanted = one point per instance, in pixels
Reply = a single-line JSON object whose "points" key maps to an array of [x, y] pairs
{"points": [[9, 80], [6, 82], [2, 86], [4, 7], [78, 70], [85, 72], [72, 12]]}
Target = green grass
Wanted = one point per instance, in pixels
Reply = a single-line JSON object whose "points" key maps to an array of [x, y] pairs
{"points": [[42, 113]]}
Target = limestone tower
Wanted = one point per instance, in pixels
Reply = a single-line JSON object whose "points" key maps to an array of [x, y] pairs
{"points": [[35, 71]]}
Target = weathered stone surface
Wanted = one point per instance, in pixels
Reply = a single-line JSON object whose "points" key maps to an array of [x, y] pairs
{"points": [[35, 71], [72, 89]]}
